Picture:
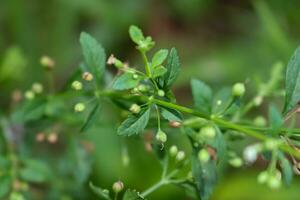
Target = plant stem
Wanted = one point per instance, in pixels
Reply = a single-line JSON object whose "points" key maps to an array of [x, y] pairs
{"points": [[154, 187], [147, 67]]}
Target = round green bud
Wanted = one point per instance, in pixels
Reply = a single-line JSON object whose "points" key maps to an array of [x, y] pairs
{"points": [[79, 107], [274, 182], [238, 89], [135, 76], [173, 150], [203, 156], [161, 93], [236, 162], [29, 95], [263, 177], [161, 136], [134, 108], [180, 156], [47, 62], [118, 186], [76, 85], [208, 132], [260, 121], [258, 100], [37, 88], [219, 102]]}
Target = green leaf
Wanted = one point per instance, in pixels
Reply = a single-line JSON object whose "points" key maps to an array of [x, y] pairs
{"points": [[173, 67], [35, 171], [158, 71], [171, 114], [99, 192], [125, 81], [275, 119], [287, 170], [132, 195], [136, 34], [91, 118], [159, 57], [221, 100], [134, 124], [292, 82], [5, 185], [205, 175], [94, 55], [202, 95]]}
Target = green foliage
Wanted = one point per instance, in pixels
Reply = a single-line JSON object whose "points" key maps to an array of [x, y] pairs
{"points": [[100, 192], [292, 86], [132, 195], [94, 55], [173, 67], [135, 124], [202, 95], [159, 57], [126, 81]]}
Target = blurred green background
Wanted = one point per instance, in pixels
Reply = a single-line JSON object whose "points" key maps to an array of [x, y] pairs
{"points": [[219, 41]]}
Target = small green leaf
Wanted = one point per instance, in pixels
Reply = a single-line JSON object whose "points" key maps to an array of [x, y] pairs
{"points": [[287, 170], [132, 195], [173, 67], [222, 100], [100, 192], [171, 114], [126, 81], [136, 34], [35, 171], [134, 124], [91, 118], [159, 57], [5, 185], [94, 55], [292, 83], [158, 71], [275, 119], [202, 95]]}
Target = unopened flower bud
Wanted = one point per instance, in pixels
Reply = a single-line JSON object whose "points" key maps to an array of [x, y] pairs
{"points": [[111, 60], [40, 137], [180, 156], [250, 154], [161, 93], [79, 107], [173, 150], [52, 138], [238, 89], [87, 76], [236, 162], [161, 136], [118, 186], [258, 100], [260, 121], [37, 88], [47, 62], [29, 95], [174, 124], [135, 76], [263, 177], [203, 156], [208, 132], [135, 108], [274, 181], [77, 85]]}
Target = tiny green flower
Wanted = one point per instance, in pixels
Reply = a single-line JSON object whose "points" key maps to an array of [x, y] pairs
{"points": [[203, 156], [79, 107], [29, 95], [260, 121], [173, 150], [238, 89], [37, 88], [208, 132], [77, 85], [134, 108], [180, 156], [161, 136], [161, 93], [118, 186], [236, 162]]}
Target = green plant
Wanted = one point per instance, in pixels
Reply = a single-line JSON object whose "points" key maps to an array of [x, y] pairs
{"points": [[146, 96]]}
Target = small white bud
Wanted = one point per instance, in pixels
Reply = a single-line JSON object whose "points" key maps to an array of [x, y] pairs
{"points": [[79, 107], [87, 76], [37, 88], [118, 186], [77, 85], [161, 136], [134, 108], [29, 95], [180, 156], [173, 150]]}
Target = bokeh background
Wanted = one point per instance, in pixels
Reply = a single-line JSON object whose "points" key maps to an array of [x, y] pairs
{"points": [[219, 41]]}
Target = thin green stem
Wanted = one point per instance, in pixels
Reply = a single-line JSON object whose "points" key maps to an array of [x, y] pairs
{"points": [[147, 67], [154, 188], [158, 117]]}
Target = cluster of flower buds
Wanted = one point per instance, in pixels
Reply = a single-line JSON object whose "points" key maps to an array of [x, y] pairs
{"points": [[51, 137], [179, 155], [271, 178], [36, 88]]}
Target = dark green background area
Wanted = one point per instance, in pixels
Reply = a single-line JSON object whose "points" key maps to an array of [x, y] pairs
{"points": [[220, 42]]}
